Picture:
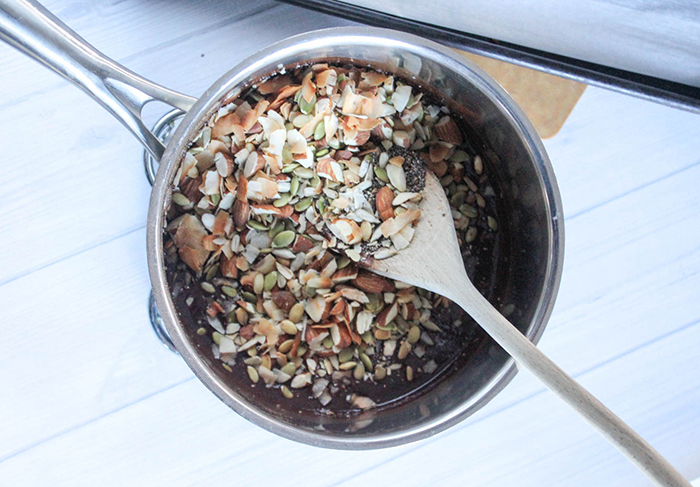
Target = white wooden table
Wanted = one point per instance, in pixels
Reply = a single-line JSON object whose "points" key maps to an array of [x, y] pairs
{"points": [[90, 397]]}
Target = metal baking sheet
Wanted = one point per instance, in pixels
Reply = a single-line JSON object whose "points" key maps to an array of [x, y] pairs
{"points": [[654, 78]]}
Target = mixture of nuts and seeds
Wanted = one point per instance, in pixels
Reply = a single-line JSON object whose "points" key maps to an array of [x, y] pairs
{"points": [[276, 201]]}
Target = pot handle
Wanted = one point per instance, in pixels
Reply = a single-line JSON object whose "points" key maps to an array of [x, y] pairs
{"points": [[30, 28]]}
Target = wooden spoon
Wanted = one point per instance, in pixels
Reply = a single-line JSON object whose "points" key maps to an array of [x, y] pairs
{"points": [[433, 261]]}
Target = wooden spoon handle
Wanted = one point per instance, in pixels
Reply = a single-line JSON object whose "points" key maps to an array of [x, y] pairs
{"points": [[616, 431]]}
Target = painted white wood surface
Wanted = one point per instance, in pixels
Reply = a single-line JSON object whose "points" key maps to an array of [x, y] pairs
{"points": [[89, 395]]}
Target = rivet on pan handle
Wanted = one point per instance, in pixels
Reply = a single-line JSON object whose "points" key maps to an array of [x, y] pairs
{"points": [[33, 30]]}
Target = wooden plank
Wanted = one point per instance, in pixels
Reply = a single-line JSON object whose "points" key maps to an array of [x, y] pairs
{"points": [[612, 144], [77, 343], [540, 442]]}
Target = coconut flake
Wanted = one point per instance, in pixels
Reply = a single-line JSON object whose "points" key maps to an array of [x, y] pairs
{"points": [[297, 142]]}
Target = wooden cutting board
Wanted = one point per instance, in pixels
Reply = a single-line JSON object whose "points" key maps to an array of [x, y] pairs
{"points": [[547, 100]]}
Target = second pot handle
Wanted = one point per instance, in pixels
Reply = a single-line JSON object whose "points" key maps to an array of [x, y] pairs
{"points": [[30, 28]]}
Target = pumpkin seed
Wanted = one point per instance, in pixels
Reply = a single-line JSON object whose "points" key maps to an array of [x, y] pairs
{"points": [[382, 334], [229, 291], [201, 331], [458, 156], [359, 372], [322, 152], [379, 372], [207, 287], [288, 327], [300, 121], [304, 172], [180, 199], [303, 204], [409, 373], [471, 234], [468, 210], [211, 273], [283, 239], [250, 297], [458, 198], [256, 225], [345, 355], [286, 346], [294, 186], [348, 365], [320, 131], [282, 200], [413, 334], [493, 224], [270, 281], [216, 336], [404, 350], [227, 367], [478, 165], [296, 313], [376, 303], [381, 174], [286, 392], [343, 262], [307, 107], [258, 283], [253, 374], [289, 167], [289, 369], [366, 361], [276, 228]]}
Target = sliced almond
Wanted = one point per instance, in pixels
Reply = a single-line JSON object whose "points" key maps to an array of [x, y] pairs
{"points": [[383, 201], [241, 213], [396, 224], [345, 274], [388, 314], [353, 294], [373, 283], [439, 151], [448, 130]]}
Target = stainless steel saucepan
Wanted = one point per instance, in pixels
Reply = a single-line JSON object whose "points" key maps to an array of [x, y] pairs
{"points": [[528, 268]]}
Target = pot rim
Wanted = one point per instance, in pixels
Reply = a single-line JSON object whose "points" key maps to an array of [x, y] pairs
{"points": [[268, 59]]}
